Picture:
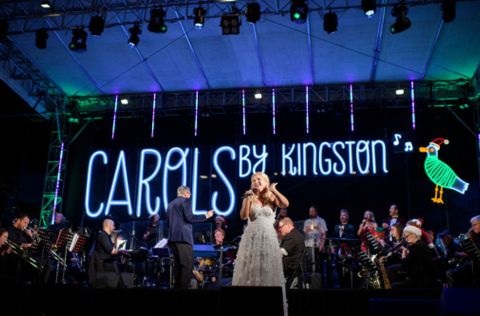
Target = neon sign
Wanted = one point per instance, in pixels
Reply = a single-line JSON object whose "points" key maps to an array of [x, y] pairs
{"points": [[146, 180]]}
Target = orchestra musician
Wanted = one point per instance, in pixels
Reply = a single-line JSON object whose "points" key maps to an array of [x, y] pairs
{"points": [[150, 235], [5, 250], [102, 269], [467, 273], [21, 236]]}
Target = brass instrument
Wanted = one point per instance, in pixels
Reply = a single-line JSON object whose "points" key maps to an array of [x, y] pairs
{"points": [[22, 253], [369, 270], [467, 244], [380, 261]]}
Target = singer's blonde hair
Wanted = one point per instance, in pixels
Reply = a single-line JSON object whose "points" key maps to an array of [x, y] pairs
{"points": [[265, 195]]}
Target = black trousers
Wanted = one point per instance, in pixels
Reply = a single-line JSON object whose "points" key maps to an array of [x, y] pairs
{"points": [[182, 264]]}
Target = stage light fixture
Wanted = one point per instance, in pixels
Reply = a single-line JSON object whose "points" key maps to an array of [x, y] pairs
{"points": [[79, 40], [46, 5], [199, 17], [157, 21], [230, 22], [449, 10], [41, 37], [96, 25], [252, 12], [330, 22], [298, 11], [402, 22], [369, 7], [134, 38]]}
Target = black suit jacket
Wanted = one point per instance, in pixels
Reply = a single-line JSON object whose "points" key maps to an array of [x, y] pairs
{"points": [[179, 219]]}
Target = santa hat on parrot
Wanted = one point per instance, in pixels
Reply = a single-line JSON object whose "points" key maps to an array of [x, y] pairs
{"points": [[437, 142]]}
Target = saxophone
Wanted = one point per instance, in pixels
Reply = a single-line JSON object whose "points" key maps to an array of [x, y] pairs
{"points": [[380, 261]]}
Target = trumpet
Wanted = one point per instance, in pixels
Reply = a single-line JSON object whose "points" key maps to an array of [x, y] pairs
{"points": [[30, 232]]}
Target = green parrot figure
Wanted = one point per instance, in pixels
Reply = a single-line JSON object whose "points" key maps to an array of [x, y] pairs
{"points": [[439, 172]]}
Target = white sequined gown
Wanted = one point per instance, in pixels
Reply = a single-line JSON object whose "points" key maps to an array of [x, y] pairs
{"points": [[259, 260]]}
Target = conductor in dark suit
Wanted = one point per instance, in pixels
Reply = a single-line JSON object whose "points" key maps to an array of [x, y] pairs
{"points": [[180, 235]]}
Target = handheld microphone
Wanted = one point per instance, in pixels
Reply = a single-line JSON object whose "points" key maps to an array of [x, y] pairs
{"points": [[247, 194]]}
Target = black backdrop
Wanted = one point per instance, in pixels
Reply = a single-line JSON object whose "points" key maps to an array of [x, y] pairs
{"points": [[406, 183]]}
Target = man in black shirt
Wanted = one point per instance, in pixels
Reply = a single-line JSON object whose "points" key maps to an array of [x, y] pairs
{"points": [[292, 246]]}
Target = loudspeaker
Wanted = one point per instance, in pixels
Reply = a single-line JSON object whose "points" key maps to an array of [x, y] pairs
{"points": [[251, 300], [460, 301]]}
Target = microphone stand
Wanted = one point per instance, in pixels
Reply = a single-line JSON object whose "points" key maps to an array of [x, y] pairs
{"points": [[220, 269]]}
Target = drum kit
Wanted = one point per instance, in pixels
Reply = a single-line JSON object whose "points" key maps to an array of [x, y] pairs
{"points": [[210, 271]]}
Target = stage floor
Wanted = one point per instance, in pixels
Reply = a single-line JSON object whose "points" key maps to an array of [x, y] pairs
{"points": [[248, 301]]}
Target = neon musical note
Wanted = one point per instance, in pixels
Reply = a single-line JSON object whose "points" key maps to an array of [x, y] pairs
{"points": [[397, 137], [408, 147]]}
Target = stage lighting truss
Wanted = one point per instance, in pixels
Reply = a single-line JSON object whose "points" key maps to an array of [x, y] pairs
{"points": [[41, 37], [157, 21], [330, 22], [402, 22], [199, 17], [79, 40], [298, 11], [134, 38]]}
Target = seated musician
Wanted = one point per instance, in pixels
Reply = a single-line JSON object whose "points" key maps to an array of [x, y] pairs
{"points": [[19, 232], [4, 251], [417, 262], [292, 247], [103, 257], [467, 273], [60, 222], [21, 237], [150, 235], [4, 248]]}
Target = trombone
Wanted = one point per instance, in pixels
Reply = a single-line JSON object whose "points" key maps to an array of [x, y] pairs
{"points": [[22, 253]]}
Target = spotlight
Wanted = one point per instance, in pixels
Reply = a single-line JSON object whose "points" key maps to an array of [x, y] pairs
{"points": [[79, 40], [46, 5], [41, 37], [157, 21], [134, 38], [199, 17], [369, 7], [230, 22], [96, 25], [253, 12], [298, 11], [448, 10], [330, 22], [402, 22]]}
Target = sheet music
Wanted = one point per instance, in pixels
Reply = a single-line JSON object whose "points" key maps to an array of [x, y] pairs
{"points": [[121, 244], [74, 242], [162, 243]]}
